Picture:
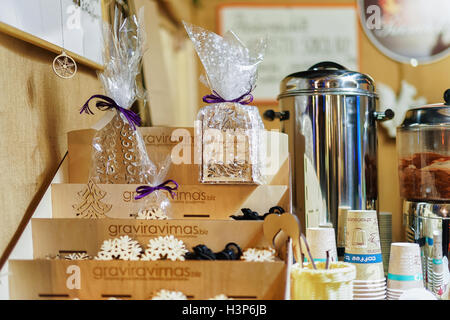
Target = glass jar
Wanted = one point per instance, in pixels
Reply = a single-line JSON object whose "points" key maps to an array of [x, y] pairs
{"points": [[423, 146]]}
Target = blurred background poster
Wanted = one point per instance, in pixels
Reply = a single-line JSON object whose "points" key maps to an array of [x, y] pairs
{"points": [[298, 36], [409, 31]]}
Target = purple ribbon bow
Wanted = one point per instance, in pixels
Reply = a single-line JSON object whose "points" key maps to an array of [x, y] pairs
{"points": [[246, 98], [143, 191], [107, 104]]}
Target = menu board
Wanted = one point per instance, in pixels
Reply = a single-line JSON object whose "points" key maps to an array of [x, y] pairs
{"points": [[75, 25], [297, 38]]}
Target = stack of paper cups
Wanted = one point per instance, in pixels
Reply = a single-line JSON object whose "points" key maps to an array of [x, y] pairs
{"points": [[430, 226], [363, 250], [321, 240], [405, 269], [341, 231], [385, 222], [437, 275]]}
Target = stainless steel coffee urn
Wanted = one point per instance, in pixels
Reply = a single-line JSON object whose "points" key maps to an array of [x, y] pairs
{"points": [[423, 146], [330, 116]]}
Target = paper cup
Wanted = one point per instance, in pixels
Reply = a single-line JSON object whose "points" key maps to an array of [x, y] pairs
{"points": [[362, 245], [437, 265], [369, 286], [320, 240], [342, 226], [394, 294], [361, 282], [368, 289], [417, 294], [369, 293], [380, 298], [372, 296], [405, 266]]}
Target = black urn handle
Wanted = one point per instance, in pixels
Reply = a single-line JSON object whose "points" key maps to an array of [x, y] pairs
{"points": [[447, 97], [385, 115], [271, 115], [327, 65]]}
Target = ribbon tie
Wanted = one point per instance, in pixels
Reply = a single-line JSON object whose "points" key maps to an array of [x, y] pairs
{"points": [[143, 191], [106, 104], [246, 98]]}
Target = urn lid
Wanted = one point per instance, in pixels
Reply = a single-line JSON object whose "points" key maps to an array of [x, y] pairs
{"points": [[437, 115], [327, 78]]}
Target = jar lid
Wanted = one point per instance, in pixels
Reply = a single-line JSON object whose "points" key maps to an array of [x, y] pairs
{"points": [[327, 78], [429, 115]]}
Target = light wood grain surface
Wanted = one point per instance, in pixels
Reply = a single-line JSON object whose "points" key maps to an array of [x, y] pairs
{"points": [[37, 109]]}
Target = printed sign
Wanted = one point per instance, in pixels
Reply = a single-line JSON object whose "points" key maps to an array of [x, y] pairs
{"points": [[297, 38]]}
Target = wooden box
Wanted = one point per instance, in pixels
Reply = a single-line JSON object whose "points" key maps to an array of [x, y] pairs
{"points": [[186, 158], [95, 279], [85, 199]]}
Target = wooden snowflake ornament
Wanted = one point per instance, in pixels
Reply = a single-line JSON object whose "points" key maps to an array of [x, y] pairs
{"points": [[169, 295], [69, 256], [64, 66], [259, 255], [77, 256], [220, 297], [152, 214], [123, 248], [167, 247]]}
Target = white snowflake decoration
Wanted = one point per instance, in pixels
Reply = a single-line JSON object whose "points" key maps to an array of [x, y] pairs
{"points": [[51, 257], [220, 297], [152, 214], [70, 256], [78, 256], [259, 255], [167, 247], [123, 248], [169, 295]]}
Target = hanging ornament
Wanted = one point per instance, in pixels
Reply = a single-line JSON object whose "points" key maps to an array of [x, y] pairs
{"points": [[64, 66]]}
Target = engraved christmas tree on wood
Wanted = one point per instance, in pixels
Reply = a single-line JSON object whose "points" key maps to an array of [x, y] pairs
{"points": [[91, 206]]}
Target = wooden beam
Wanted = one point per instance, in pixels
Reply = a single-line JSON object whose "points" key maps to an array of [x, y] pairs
{"points": [[24, 36]]}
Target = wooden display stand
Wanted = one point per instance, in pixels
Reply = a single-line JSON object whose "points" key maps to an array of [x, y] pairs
{"points": [[178, 141], [42, 279], [95, 279], [138, 280], [192, 200]]}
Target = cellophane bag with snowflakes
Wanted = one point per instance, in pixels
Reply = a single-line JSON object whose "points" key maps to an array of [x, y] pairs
{"points": [[153, 199], [118, 150], [229, 128]]}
